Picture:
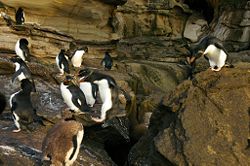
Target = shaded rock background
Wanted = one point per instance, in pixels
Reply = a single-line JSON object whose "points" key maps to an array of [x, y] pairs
{"points": [[149, 41]]}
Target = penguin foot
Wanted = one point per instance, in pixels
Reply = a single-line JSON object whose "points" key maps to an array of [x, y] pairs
{"points": [[16, 130], [98, 120], [216, 69]]}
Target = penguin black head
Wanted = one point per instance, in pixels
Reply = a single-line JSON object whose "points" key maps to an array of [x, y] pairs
{"points": [[85, 48], [16, 59], [19, 10], [85, 73], [27, 86], [62, 50], [23, 41]]}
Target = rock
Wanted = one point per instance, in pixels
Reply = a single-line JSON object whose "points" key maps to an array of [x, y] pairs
{"points": [[195, 26], [206, 122], [233, 30], [82, 20], [115, 2], [156, 76]]}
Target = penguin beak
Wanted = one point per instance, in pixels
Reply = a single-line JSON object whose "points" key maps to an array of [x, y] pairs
{"points": [[82, 79]]}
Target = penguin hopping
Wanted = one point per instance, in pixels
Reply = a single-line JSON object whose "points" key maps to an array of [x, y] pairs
{"points": [[22, 49], [62, 62], [105, 84], [73, 96], [20, 16], [76, 59], [62, 143], [213, 50], [90, 91], [21, 106], [107, 61]]}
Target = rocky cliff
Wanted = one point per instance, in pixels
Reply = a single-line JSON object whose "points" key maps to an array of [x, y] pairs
{"points": [[200, 121]]}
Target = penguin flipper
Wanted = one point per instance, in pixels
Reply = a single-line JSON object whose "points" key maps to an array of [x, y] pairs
{"points": [[79, 103], [15, 75], [66, 68], [74, 142]]}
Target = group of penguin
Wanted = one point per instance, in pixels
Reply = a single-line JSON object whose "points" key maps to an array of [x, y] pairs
{"points": [[79, 99], [59, 148]]}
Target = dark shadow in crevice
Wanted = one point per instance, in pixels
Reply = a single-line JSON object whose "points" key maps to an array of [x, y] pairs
{"points": [[201, 7]]}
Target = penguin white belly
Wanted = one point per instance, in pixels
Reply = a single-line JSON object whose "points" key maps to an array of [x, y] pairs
{"points": [[57, 61], [67, 97], [21, 77], [212, 54], [69, 161], [60, 69], [11, 97], [86, 88], [77, 58], [222, 59], [106, 97], [19, 52]]}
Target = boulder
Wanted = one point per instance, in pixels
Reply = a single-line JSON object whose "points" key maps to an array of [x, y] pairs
{"points": [[195, 27], [206, 121]]}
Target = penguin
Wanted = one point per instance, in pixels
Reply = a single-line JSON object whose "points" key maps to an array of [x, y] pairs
{"points": [[90, 91], [21, 106], [62, 143], [20, 16], [212, 49], [105, 84], [76, 59], [21, 71], [62, 62], [22, 49], [107, 61], [2, 102], [73, 96]]}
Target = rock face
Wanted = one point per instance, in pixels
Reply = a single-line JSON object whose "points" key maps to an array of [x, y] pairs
{"points": [[149, 41], [234, 32], [206, 122]]}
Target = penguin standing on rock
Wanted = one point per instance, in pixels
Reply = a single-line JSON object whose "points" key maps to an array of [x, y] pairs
{"points": [[21, 107], [213, 50], [62, 143], [107, 61], [20, 16], [21, 71], [22, 49], [62, 62], [76, 58], [105, 85], [73, 96]]}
